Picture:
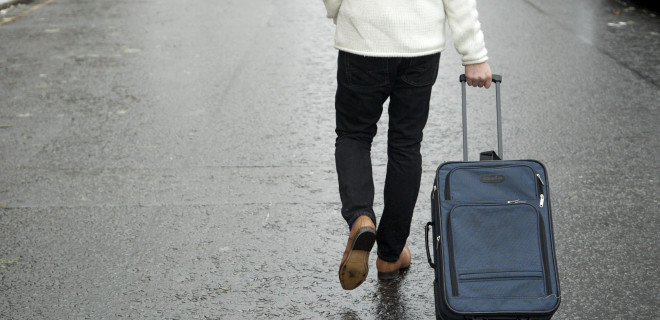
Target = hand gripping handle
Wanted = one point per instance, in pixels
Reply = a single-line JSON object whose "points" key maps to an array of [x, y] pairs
{"points": [[497, 79]]}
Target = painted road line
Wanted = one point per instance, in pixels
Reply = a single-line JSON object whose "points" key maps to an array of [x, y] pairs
{"points": [[8, 20]]}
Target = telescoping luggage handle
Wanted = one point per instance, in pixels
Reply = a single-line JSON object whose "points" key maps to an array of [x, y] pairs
{"points": [[497, 79]]}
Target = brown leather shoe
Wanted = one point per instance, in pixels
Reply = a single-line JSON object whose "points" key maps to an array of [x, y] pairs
{"points": [[354, 265], [390, 270]]}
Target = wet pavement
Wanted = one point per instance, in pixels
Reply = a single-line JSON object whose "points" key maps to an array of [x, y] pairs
{"points": [[176, 162]]}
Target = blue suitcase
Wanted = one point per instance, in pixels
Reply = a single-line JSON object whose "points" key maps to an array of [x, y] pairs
{"points": [[493, 245]]}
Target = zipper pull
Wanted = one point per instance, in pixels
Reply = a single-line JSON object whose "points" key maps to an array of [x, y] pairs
{"points": [[541, 196], [514, 201]]}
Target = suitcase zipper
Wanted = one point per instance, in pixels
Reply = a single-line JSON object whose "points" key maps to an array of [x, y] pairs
{"points": [[544, 252], [452, 267]]}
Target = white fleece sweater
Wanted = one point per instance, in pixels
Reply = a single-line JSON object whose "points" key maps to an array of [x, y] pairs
{"points": [[407, 28]]}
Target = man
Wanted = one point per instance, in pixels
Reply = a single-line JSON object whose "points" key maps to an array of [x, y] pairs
{"points": [[390, 49]]}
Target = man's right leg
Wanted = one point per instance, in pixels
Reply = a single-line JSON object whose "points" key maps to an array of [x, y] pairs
{"points": [[362, 88]]}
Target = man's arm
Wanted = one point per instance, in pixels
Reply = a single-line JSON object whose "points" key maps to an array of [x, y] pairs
{"points": [[463, 20]]}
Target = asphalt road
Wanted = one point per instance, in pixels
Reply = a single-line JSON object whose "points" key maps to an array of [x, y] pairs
{"points": [[169, 161]]}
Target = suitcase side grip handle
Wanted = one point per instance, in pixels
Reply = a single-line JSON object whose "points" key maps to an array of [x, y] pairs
{"points": [[428, 251]]}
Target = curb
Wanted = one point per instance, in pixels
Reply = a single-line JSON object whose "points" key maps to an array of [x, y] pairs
{"points": [[8, 3]]}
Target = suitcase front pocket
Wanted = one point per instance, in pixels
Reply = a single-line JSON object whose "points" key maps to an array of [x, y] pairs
{"points": [[496, 251]]}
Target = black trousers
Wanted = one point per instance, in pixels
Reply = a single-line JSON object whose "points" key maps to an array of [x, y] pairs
{"points": [[363, 86]]}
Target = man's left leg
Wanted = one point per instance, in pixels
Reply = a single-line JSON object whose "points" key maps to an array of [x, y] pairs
{"points": [[408, 113]]}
